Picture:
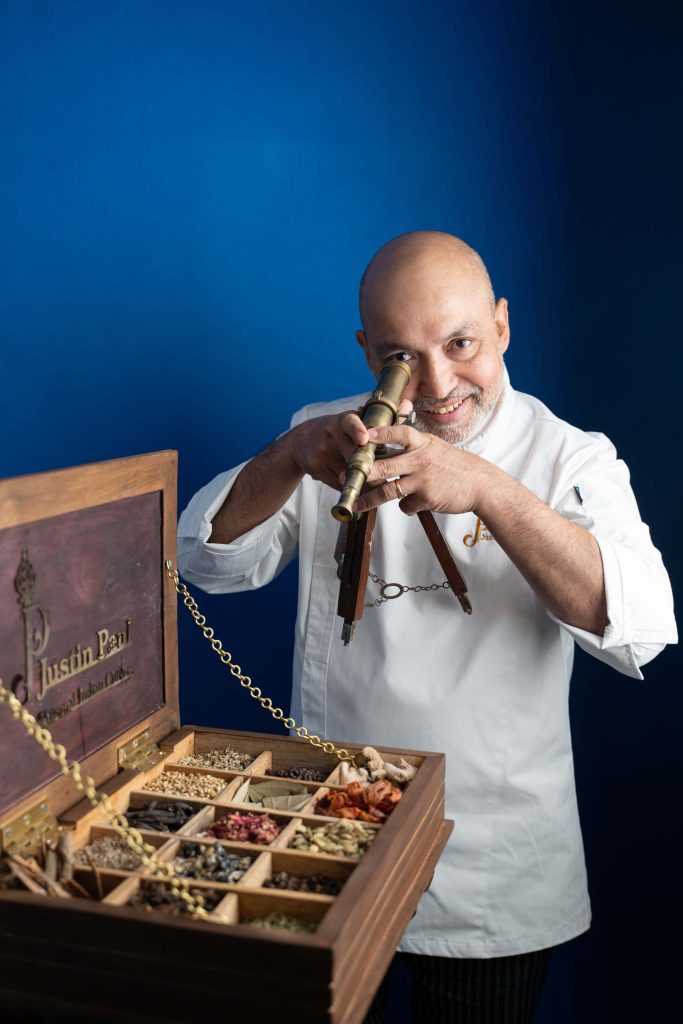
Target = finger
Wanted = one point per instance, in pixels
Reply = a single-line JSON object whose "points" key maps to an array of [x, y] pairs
{"points": [[406, 407], [374, 497], [401, 461], [395, 465], [332, 476], [407, 437], [412, 504], [346, 450], [354, 428]]}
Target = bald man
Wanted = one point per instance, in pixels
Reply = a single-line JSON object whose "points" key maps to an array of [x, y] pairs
{"points": [[546, 530]]}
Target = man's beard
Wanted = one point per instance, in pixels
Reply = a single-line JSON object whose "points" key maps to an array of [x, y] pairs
{"points": [[481, 407]]}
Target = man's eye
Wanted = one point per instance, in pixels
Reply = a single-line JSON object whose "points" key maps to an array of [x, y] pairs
{"points": [[400, 357], [462, 343]]}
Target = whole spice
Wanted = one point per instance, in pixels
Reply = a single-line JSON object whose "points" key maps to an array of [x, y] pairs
{"points": [[291, 924], [8, 878], [376, 768], [18, 872], [340, 839], [187, 784], [365, 803], [275, 796], [320, 884], [381, 769], [245, 828], [26, 872], [161, 815], [226, 759], [157, 896], [65, 850], [302, 774], [109, 852], [211, 862]]}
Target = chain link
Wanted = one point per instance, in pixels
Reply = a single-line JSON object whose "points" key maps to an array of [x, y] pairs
{"points": [[86, 785], [254, 691], [401, 589]]}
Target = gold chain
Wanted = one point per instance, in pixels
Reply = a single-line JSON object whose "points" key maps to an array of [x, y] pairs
{"points": [[401, 588], [254, 691], [86, 785]]}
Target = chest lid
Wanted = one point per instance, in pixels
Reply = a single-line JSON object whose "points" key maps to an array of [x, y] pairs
{"points": [[88, 637]]}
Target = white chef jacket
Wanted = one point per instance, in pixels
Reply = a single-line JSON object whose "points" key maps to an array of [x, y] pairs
{"points": [[490, 689]]}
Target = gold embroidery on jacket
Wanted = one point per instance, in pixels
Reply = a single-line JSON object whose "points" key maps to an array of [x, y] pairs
{"points": [[480, 533]]}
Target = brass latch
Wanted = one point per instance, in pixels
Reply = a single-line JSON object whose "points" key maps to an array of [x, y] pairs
{"points": [[26, 834], [139, 753]]}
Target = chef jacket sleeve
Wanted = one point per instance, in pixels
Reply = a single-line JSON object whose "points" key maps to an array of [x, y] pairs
{"points": [[595, 492], [251, 560]]}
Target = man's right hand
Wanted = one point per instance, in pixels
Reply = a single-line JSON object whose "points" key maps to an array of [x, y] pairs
{"points": [[321, 447]]}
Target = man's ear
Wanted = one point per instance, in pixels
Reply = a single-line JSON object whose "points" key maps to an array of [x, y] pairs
{"points": [[363, 342], [502, 320]]}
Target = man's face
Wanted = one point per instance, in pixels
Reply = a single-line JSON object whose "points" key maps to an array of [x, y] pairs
{"points": [[455, 340]]}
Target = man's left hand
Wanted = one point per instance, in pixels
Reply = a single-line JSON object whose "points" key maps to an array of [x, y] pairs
{"points": [[432, 474]]}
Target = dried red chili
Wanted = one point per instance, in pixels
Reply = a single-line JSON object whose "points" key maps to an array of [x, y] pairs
{"points": [[363, 803]]}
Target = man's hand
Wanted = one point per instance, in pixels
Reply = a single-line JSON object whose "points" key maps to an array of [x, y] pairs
{"points": [[321, 447], [433, 474]]}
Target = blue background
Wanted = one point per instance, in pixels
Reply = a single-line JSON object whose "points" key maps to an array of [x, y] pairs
{"points": [[190, 192]]}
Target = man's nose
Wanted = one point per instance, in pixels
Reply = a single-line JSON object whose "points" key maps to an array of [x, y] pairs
{"points": [[436, 379]]}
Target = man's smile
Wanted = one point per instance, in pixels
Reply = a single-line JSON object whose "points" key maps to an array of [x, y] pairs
{"points": [[445, 414]]}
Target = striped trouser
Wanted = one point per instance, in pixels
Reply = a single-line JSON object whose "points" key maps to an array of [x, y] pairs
{"points": [[445, 990]]}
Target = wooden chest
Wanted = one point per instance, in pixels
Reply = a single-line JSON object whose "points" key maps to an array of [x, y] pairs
{"points": [[88, 646]]}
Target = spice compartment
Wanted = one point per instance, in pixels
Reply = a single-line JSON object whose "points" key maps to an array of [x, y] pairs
{"points": [[332, 837], [300, 866], [306, 911], [307, 761], [184, 782], [154, 814], [217, 899], [250, 788], [219, 816], [104, 840], [200, 744], [211, 860], [338, 776]]}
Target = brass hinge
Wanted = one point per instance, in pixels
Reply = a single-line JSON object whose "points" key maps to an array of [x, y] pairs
{"points": [[139, 753], [26, 834]]}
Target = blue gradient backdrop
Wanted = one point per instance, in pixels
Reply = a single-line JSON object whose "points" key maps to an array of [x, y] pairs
{"points": [[190, 192]]}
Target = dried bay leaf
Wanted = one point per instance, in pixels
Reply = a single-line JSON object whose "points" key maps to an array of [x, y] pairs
{"points": [[280, 795]]}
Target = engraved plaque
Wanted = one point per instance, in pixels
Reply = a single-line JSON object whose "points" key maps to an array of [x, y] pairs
{"points": [[80, 631]]}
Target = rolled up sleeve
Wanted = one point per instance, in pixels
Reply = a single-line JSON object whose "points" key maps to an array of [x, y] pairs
{"points": [[597, 494], [251, 560]]}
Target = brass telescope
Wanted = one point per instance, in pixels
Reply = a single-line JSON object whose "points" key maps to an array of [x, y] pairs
{"points": [[380, 410]]}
